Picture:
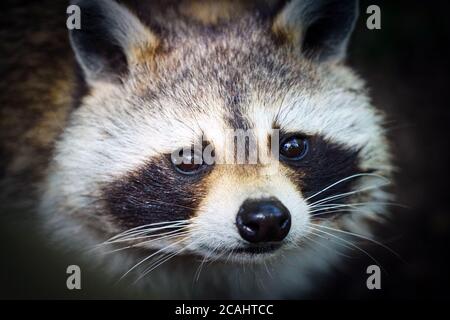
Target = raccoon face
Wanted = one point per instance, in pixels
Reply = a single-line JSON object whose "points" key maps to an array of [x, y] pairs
{"points": [[146, 157]]}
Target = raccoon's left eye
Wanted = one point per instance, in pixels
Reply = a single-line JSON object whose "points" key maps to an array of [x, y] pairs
{"points": [[188, 164], [294, 148]]}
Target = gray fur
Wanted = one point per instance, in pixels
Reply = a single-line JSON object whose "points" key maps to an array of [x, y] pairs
{"points": [[169, 98]]}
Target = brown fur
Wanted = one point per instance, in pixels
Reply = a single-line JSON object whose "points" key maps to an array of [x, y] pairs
{"points": [[36, 88], [211, 12]]}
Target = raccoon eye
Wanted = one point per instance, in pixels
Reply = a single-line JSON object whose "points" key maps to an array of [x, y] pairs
{"points": [[188, 164], [294, 148]]}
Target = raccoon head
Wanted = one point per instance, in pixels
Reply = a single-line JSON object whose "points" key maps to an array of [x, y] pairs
{"points": [[134, 162]]}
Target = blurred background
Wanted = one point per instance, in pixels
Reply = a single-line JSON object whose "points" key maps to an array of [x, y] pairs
{"points": [[406, 68]]}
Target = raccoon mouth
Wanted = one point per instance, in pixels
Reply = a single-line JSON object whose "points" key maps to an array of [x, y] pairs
{"points": [[251, 249], [260, 249]]}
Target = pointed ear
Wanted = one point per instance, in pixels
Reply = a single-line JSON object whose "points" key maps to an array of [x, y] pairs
{"points": [[109, 41], [320, 29]]}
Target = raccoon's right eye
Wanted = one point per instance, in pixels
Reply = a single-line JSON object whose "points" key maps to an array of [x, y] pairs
{"points": [[188, 163], [293, 148]]}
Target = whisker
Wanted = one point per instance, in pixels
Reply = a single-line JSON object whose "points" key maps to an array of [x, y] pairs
{"points": [[335, 206], [159, 262], [143, 203], [204, 260], [149, 257], [345, 179], [354, 205], [200, 267], [137, 237], [350, 243], [168, 237], [332, 211], [324, 246], [146, 227], [363, 237], [327, 238], [346, 194], [139, 228], [170, 204]]}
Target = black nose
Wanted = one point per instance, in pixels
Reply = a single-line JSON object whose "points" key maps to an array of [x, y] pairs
{"points": [[263, 220]]}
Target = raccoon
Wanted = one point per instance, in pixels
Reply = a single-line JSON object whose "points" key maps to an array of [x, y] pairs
{"points": [[159, 79]]}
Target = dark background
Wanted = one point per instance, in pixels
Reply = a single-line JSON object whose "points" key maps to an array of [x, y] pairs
{"points": [[406, 68]]}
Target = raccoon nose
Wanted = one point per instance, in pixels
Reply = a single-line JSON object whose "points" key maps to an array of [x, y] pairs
{"points": [[263, 220]]}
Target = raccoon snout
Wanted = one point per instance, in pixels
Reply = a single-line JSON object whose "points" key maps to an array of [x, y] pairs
{"points": [[263, 220]]}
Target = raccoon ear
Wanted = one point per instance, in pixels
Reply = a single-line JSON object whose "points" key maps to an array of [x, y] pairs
{"points": [[320, 29], [109, 40]]}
